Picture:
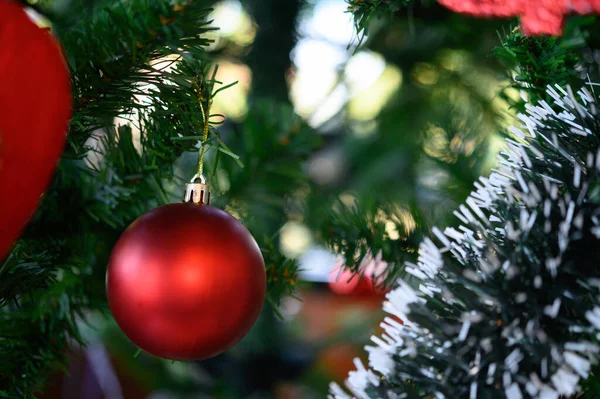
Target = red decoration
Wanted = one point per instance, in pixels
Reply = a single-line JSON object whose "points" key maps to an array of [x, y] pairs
{"points": [[538, 17], [344, 282], [35, 106], [186, 281]]}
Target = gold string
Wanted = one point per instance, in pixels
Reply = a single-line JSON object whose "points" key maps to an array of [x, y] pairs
{"points": [[205, 128], [204, 139]]}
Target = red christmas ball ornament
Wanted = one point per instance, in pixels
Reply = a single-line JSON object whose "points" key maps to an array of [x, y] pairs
{"points": [[35, 107], [186, 281], [367, 282], [538, 17], [345, 282]]}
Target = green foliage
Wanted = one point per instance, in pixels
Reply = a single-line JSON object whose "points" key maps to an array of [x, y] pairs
{"points": [[433, 139], [535, 62], [64, 251], [503, 295], [365, 10], [591, 386], [359, 229], [406, 170], [505, 290], [144, 61], [273, 143]]}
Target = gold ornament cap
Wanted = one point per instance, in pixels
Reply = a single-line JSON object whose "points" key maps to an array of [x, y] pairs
{"points": [[197, 191]]}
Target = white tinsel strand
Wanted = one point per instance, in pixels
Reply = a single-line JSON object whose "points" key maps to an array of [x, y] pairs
{"points": [[519, 186]]}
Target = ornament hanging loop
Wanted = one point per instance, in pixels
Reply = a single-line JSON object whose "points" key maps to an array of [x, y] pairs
{"points": [[197, 190], [205, 111], [199, 178]]}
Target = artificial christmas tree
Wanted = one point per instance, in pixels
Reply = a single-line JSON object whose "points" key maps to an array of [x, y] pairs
{"points": [[508, 301], [500, 306], [139, 84], [406, 124]]}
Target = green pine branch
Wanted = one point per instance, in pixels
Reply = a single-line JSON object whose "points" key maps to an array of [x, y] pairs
{"points": [[435, 359], [364, 11], [532, 63], [53, 277], [145, 61]]}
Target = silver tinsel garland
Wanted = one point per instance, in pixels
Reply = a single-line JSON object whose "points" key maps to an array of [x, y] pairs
{"points": [[507, 304]]}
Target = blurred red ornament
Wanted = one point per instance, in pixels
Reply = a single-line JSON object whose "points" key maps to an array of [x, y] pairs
{"points": [[35, 107], [538, 17], [186, 281], [368, 280], [345, 282]]}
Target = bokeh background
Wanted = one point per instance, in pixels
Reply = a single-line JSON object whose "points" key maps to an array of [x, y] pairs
{"points": [[391, 128]]}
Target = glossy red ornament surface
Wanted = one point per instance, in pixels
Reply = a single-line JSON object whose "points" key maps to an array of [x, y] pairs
{"points": [[186, 281], [538, 17], [35, 106]]}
